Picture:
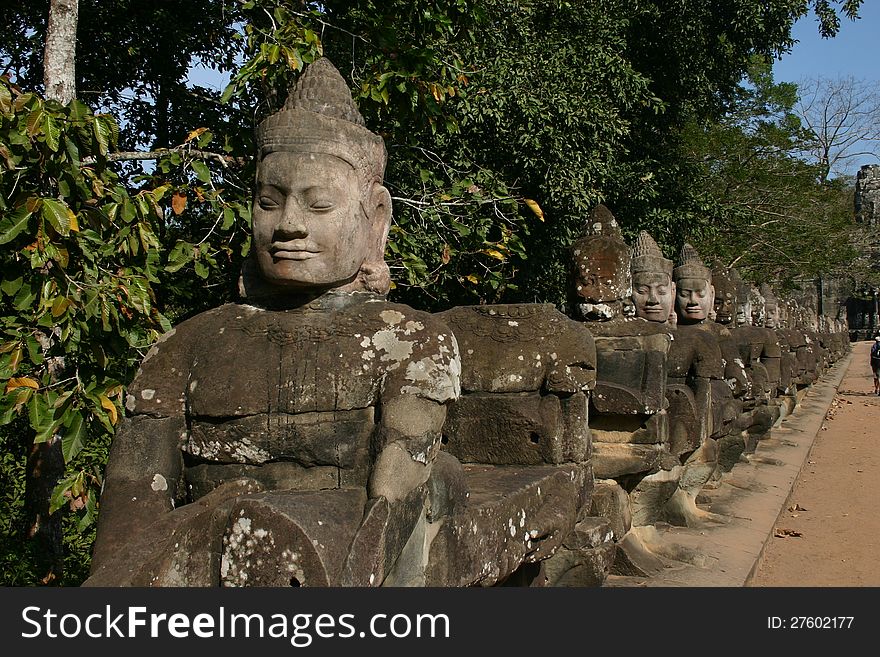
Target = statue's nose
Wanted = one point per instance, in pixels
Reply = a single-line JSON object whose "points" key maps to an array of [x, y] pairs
{"points": [[292, 224]]}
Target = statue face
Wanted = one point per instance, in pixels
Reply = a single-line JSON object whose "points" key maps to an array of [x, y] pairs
{"points": [[743, 312], [771, 315], [310, 228], [653, 296], [694, 299], [725, 301], [602, 271]]}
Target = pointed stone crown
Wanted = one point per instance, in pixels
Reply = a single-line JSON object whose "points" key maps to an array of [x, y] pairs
{"points": [[690, 265], [647, 256], [769, 296], [602, 222], [719, 271], [320, 116]]}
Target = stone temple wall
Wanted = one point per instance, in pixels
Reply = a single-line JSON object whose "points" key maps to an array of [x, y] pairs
{"points": [[867, 198], [862, 304]]}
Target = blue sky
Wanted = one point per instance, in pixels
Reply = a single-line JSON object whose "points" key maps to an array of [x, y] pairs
{"points": [[852, 52]]}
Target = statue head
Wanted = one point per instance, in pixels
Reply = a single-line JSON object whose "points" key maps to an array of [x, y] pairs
{"points": [[743, 304], [771, 307], [321, 215], [601, 262], [756, 300], [695, 294], [653, 291], [727, 283]]}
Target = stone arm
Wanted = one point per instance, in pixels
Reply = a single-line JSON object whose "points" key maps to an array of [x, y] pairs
{"points": [[734, 368], [411, 413], [407, 442], [144, 471]]}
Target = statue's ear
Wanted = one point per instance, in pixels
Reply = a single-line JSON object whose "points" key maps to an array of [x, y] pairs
{"points": [[374, 273], [379, 210]]}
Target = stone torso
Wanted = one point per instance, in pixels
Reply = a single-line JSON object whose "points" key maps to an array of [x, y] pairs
{"points": [[297, 386]]}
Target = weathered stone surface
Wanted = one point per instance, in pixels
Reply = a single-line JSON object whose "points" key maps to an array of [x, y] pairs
{"points": [[653, 289], [616, 459], [612, 503], [522, 348], [513, 516], [651, 495], [516, 429], [687, 429], [180, 547], [631, 373], [585, 557], [601, 268], [634, 559], [634, 429], [290, 538]]}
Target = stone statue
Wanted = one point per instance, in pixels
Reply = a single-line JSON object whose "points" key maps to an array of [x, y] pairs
{"points": [[705, 372], [601, 261], [653, 291], [288, 439], [694, 294], [759, 351]]}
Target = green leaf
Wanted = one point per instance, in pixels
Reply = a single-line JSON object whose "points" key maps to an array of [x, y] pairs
{"points": [[228, 218], [202, 171], [41, 419], [25, 297], [201, 269], [102, 134], [10, 286], [228, 92], [180, 255], [72, 442], [78, 111], [5, 99], [34, 350], [58, 498], [52, 132], [55, 212], [90, 514], [12, 225], [35, 122]]}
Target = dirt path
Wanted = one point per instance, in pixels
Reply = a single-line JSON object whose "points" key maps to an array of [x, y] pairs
{"points": [[830, 533]]}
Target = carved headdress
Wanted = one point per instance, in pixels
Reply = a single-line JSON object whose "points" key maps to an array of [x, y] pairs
{"points": [[647, 256], [690, 265], [769, 296], [320, 117], [601, 260]]}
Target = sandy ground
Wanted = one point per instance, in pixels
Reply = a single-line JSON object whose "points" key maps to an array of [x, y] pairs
{"points": [[829, 534]]}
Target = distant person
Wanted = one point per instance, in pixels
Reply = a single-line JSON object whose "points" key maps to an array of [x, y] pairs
{"points": [[875, 364]]}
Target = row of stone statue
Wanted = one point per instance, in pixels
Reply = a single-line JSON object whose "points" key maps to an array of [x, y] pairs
{"points": [[315, 434]]}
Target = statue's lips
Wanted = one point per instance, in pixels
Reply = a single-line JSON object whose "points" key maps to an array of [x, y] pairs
{"points": [[654, 311], [293, 252]]}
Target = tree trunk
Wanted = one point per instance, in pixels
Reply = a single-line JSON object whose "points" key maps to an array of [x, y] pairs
{"points": [[59, 62], [45, 468], [45, 464]]}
